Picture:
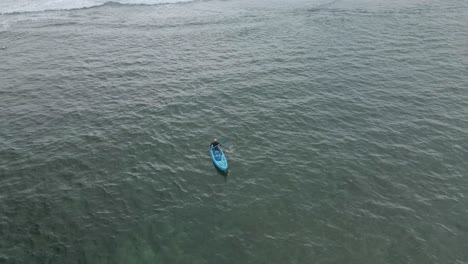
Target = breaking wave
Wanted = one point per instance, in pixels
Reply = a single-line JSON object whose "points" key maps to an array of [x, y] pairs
{"points": [[27, 6]]}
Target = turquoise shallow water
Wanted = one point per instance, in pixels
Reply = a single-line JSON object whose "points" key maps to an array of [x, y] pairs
{"points": [[344, 123]]}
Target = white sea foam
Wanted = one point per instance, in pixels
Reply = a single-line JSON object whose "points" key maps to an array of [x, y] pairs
{"points": [[21, 6]]}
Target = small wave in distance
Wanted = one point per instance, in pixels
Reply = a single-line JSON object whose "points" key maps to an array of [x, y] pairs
{"points": [[27, 6]]}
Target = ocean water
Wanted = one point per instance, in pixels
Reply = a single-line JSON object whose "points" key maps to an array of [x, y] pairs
{"points": [[345, 124]]}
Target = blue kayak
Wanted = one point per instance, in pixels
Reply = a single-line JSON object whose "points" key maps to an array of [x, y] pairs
{"points": [[218, 158]]}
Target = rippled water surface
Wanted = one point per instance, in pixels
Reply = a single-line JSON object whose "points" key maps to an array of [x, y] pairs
{"points": [[345, 124]]}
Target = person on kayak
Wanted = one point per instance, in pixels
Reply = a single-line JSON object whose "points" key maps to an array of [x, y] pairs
{"points": [[215, 143]]}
